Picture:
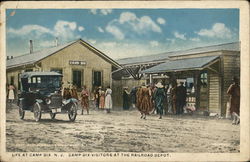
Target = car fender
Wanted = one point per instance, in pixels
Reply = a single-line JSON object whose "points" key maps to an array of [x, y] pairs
{"points": [[73, 100]]}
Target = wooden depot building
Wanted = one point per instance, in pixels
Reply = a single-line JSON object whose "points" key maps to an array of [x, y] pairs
{"points": [[79, 62]]}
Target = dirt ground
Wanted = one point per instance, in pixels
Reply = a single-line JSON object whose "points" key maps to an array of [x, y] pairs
{"points": [[120, 131]]}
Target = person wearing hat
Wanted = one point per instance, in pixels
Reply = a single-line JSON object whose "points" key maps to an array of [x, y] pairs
{"points": [[181, 95], [159, 97], [234, 92]]}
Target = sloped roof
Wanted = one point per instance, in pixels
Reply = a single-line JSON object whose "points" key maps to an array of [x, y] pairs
{"points": [[182, 64], [34, 57], [39, 55], [235, 46], [143, 59]]}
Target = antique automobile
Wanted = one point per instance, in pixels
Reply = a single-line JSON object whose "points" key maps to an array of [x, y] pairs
{"points": [[41, 93]]}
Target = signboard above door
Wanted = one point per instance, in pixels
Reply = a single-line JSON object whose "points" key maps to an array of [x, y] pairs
{"points": [[71, 62]]}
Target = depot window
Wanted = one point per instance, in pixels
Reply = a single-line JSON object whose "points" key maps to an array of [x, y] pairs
{"points": [[97, 78], [204, 78]]}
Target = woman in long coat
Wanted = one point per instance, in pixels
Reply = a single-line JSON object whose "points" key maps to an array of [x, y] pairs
{"points": [[144, 105], [159, 98], [125, 97], [85, 99], [234, 92], [108, 99], [138, 98]]}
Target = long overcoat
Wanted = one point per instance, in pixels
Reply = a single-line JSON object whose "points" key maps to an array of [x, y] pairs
{"points": [[144, 100], [234, 92]]}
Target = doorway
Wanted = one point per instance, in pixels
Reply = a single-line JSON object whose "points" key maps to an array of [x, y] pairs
{"points": [[77, 78], [97, 78]]}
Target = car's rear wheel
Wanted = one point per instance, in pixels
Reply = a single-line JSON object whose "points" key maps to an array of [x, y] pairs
{"points": [[52, 115], [21, 111], [37, 112], [72, 112]]}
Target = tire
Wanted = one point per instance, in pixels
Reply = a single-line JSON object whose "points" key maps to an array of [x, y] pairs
{"points": [[52, 115], [72, 112], [37, 112], [21, 111]]}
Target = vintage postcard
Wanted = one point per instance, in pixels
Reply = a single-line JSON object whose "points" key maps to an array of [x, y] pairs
{"points": [[125, 81]]}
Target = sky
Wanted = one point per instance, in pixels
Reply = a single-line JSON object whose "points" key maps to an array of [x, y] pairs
{"points": [[121, 33]]}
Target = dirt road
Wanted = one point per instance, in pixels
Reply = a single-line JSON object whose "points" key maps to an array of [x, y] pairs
{"points": [[120, 131]]}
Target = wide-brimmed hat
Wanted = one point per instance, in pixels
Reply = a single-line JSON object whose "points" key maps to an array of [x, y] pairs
{"points": [[159, 85]]}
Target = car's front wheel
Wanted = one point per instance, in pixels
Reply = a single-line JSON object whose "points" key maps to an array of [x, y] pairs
{"points": [[21, 111], [37, 112], [72, 112]]}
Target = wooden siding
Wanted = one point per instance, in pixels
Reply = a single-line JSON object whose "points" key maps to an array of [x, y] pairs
{"points": [[214, 93], [77, 52], [204, 98]]}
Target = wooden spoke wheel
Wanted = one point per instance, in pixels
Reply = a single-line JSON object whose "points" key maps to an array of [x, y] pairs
{"points": [[72, 112], [37, 112], [21, 111]]}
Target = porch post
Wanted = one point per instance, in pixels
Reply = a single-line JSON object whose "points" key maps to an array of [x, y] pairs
{"points": [[150, 78], [197, 89]]}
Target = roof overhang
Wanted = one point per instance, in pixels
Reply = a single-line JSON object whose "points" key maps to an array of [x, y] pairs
{"points": [[187, 64]]}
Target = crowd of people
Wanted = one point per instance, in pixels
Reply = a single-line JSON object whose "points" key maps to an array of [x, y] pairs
{"points": [[147, 99], [159, 98], [102, 99]]}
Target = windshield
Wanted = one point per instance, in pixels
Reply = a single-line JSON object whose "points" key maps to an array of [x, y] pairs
{"points": [[45, 82]]}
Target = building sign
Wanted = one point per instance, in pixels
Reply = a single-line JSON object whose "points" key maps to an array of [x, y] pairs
{"points": [[77, 62]]}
